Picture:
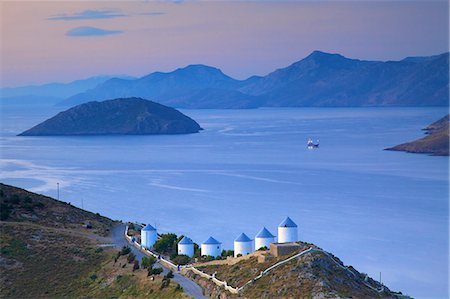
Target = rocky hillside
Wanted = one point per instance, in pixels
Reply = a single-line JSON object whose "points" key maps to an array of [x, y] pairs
{"points": [[314, 275], [320, 79], [436, 142], [127, 116]]}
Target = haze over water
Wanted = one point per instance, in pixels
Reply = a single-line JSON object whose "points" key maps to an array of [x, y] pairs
{"points": [[376, 210]]}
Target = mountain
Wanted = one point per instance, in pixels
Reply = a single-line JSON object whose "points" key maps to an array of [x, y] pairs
{"points": [[320, 79], [183, 82], [436, 143], [50, 93], [126, 116], [323, 79]]}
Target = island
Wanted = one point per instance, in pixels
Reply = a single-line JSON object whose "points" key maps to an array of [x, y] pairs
{"points": [[124, 116], [435, 143]]}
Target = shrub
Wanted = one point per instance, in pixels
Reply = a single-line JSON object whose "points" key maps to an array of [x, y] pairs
{"points": [[5, 211], [155, 271], [169, 274], [239, 255], [178, 288], [181, 259], [226, 253], [264, 248], [27, 199], [131, 257], [125, 250], [136, 265], [93, 276], [148, 262], [167, 243], [99, 250], [165, 283]]}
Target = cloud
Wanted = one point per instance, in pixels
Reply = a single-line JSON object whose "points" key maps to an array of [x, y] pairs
{"points": [[91, 31], [156, 13], [89, 15]]}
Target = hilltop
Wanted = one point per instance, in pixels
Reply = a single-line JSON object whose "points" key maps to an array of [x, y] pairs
{"points": [[125, 116], [319, 80], [313, 275], [436, 142]]}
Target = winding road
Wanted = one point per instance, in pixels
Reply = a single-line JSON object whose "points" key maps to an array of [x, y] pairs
{"points": [[189, 287]]}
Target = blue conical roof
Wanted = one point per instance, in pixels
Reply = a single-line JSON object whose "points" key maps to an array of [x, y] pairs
{"points": [[211, 240], [264, 233], [186, 240], [243, 238], [287, 223], [148, 227]]}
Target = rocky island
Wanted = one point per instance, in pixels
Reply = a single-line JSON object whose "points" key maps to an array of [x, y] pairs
{"points": [[436, 142], [124, 116]]}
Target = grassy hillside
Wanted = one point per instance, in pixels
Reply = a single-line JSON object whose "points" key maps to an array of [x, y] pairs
{"points": [[50, 249], [314, 275]]}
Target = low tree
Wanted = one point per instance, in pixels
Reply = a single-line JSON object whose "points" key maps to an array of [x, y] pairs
{"points": [[136, 265], [169, 274], [181, 259], [167, 244], [131, 257], [125, 250], [148, 262], [155, 271]]}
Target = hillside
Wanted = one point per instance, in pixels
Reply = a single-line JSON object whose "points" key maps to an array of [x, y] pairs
{"points": [[319, 80], [48, 251], [436, 142], [314, 275], [128, 116]]}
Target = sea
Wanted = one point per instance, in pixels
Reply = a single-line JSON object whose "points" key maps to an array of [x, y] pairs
{"points": [[385, 213]]}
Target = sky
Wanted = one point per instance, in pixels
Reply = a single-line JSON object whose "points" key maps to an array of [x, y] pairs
{"points": [[61, 41]]}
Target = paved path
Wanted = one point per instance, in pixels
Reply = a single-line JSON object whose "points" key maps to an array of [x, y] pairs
{"points": [[189, 287]]}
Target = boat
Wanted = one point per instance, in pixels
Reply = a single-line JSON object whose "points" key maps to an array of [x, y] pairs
{"points": [[311, 144]]}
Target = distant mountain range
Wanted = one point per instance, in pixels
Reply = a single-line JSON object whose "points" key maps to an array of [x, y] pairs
{"points": [[48, 94], [319, 80]]}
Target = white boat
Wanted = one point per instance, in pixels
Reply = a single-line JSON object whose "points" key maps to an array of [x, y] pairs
{"points": [[311, 144]]}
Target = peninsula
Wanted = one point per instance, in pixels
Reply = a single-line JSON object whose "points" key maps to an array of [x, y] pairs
{"points": [[124, 116], [436, 142]]}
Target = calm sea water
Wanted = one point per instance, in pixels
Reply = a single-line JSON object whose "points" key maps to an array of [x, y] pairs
{"points": [[379, 211]]}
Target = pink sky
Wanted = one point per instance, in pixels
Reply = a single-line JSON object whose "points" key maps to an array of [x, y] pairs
{"points": [[241, 38]]}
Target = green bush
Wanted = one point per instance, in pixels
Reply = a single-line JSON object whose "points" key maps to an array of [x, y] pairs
{"points": [[264, 248], [136, 265], [125, 250], [148, 262], [165, 283], [169, 274], [239, 255], [155, 271], [181, 259], [167, 244], [93, 276], [178, 288], [226, 253], [131, 257]]}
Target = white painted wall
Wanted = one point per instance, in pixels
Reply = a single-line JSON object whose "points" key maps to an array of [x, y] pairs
{"points": [[261, 242], [242, 248], [211, 249], [287, 234], [186, 249], [148, 238]]}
